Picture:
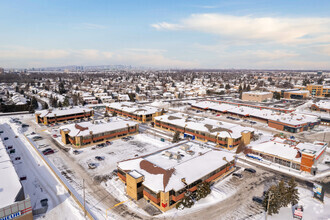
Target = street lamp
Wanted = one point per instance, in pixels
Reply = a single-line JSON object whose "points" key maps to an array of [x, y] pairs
{"points": [[270, 197]]}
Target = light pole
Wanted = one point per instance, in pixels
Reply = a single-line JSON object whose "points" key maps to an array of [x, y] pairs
{"points": [[270, 197]]}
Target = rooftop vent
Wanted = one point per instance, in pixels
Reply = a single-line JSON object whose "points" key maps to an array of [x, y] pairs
{"points": [[167, 154], [176, 156]]}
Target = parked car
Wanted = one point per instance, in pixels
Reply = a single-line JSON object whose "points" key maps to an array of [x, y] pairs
{"points": [[239, 175], [99, 158], [5, 138], [100, 145], [92, 165], [125, 139], [108, 142], [76, 152], [250, 170], [37, 138], [48, 151], [257, 199], [54, 135], [218, 115], [1, 132], [253, 122], [25, 125]]}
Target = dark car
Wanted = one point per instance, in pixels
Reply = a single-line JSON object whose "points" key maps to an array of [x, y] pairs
{"points": [[108, 142], [1, 132], [257, 199], [239, 175], [48, 151], [76, 152], [25, 125], [250, 170], [5, 138], [99, 158]]}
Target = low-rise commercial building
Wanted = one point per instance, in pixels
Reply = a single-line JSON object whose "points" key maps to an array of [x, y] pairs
{"points": [[257, 96], [163, 177], [134, 111], [49, 116], [291, 122], [85, 133], [13, 203], [295, 94], [225, 135], [322, 106], [292, 154]]}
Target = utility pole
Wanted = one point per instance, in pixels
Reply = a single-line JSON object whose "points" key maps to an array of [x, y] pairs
{"points": [[84, 198]]}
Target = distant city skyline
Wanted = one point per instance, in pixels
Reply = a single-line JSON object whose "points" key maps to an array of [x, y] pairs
{"points": [[166, 34]]}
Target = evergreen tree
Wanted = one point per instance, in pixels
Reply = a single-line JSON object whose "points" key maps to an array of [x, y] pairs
{"points": [[187, 201], [283, 194], [277, 95], [106, 114], [292, 192], [176, 137], [248, 88], [45, 105], [66, 102], [114, 114], [273, 197], [227, 86]]}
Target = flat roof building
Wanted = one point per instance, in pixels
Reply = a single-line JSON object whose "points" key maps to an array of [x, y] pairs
{"points": [[134, 111], [49, 116], [226, 135], [256, 96], [163, 177], [13, 203], [295, 94], [291, 122], [322, 106], [85, 133], [289, 153]]}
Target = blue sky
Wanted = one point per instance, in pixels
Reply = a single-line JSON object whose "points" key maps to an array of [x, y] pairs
{"points": [[291, 34]]}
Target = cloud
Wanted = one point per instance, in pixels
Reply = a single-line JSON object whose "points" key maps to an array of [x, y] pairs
{"points": [[255, 29], [23, 57]]}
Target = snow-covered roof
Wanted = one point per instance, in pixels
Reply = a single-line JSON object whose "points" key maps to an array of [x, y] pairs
{"points": [[10, 184], [58, 112], [288, 149], [85, 128], [257, 93], [325, 104], [164, 173], [214, 127], [288, 118], [133, 108]]}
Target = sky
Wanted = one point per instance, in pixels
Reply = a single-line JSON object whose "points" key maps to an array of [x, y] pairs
{"points": [[241, 34]]}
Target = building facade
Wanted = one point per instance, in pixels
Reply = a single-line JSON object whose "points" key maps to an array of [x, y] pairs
{"points": [[86, 133], [164, 177], [134, 111], [256, 96], [292, 154], [225, 135], [49, 116]]}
